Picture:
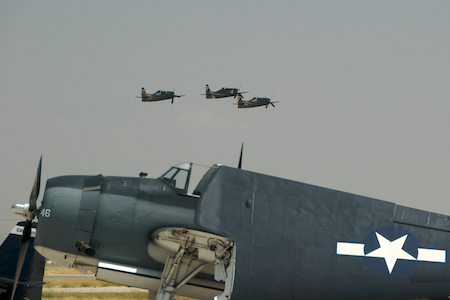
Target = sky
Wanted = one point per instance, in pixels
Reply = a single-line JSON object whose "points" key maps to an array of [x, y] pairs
{"points": [[363, 91]]}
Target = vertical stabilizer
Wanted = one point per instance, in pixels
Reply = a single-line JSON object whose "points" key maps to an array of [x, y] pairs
{"points": [[31, 278], [208, 92]]}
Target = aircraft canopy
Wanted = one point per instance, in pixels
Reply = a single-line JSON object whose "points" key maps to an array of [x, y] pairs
{"points": [[178, 177]]}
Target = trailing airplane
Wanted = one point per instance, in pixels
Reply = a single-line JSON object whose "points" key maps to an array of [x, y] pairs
{"points": [[254, 102], [158, 96], [222, 93], [30, 280], [240, 235]]}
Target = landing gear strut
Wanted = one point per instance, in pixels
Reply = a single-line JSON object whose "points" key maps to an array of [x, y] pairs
{"points": [[193, 251]]}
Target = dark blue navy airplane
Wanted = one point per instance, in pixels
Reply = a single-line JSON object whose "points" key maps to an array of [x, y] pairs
{"points": [[30, 279], [240, 235]]}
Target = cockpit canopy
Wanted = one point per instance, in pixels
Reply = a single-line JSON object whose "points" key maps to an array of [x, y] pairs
{"points": [[178, 177]]}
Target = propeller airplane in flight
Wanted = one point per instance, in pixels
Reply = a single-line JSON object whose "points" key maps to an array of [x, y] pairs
{"points": [[158, 96], [254, 102], [222, 93]]}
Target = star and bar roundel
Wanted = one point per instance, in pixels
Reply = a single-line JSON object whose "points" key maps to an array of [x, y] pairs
{"points": [[391, 251]]}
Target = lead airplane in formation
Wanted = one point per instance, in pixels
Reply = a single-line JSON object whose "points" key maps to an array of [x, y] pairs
{"points": [[254, 102], [239, 235]]}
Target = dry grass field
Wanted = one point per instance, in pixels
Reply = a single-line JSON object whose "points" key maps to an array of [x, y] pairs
{"points": [[95, 296], [47, 292]]}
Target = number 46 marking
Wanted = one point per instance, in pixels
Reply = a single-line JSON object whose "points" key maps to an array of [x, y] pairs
{"points": [[46, 213]]}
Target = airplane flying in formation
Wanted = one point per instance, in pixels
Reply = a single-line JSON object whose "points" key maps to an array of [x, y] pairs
{"points": [[158, 96], [222, 93], [239, 235], [254, 102]]}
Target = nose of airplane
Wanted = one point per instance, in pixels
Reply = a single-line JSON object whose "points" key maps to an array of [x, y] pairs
{"points": [[67, 217]]}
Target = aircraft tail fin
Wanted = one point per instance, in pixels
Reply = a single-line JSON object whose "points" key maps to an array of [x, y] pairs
{"points": [[31, 278], [143, 92], [207, 92]]}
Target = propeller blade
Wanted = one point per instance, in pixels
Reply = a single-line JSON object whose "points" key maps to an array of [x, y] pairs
{"points": [[172, 100], [240, 157], [22, 254], [27, 229], [36, 187], [272, 104]]}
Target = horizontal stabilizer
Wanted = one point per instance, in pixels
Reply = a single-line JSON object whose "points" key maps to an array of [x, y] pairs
{"points": [[21, 283]]}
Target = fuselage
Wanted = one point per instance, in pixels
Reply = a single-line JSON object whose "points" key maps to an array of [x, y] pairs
{"points": [[222, 93], [158, 96], [254, 102], [114, 217], [288, 235]]}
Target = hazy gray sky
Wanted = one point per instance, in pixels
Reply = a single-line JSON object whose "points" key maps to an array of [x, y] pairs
{"points": [[363, 88]]}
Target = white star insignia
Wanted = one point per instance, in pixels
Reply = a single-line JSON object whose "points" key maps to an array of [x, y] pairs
{"points": [[391, 251]]}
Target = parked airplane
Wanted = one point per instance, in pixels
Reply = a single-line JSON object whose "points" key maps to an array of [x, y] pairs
{"points": [[158, 96], [240, 235], [222, 93], [29, 284], [254, 102]]}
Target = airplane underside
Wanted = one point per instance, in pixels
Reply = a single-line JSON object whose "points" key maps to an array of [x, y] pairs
{"points": [[184, 253]]}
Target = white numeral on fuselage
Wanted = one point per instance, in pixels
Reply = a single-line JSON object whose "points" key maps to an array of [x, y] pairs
{"points": [[46, 213]]}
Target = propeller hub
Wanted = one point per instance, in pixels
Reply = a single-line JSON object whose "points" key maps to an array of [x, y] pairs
{"points": [[22, 210]]}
